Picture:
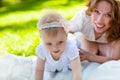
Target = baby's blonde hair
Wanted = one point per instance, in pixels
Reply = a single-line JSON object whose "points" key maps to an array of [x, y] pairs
{"points": [[50, 18]]}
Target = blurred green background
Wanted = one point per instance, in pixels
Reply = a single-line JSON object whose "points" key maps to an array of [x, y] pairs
{"points": [[18, 32]]}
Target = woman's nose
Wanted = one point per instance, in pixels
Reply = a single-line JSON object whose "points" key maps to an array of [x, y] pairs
{"points": [[100, 19]]}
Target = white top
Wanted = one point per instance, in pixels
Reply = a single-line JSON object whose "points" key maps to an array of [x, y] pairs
{"points": [[81, 22], [63, 64]]}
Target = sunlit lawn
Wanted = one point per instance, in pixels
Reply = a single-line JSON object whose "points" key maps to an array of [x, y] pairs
{"points": [[18, 32]]}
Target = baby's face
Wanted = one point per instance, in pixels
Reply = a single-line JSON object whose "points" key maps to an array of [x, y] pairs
{"points": [[55, 44]]}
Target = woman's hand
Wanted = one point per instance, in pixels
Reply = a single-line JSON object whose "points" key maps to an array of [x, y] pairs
{"points": [[84, 55]]}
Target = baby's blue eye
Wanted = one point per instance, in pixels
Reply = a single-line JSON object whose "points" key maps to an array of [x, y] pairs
{"points": [[60, 42], [49, 44]]}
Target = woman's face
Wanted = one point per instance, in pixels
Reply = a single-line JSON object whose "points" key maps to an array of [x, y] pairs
{"points": [[101, 17]]}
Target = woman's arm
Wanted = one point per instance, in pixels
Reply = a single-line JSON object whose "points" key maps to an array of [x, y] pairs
{"points": [[93, 57], [110, 52], [76, 24], [76, 69], [115, 50], [39, 71]]}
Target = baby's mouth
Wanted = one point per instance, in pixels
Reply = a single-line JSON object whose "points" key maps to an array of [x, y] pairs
{"points": [[56, 51]]}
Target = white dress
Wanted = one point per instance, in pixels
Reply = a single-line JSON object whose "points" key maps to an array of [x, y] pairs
{"points": [[81, 22], [63, 64]]}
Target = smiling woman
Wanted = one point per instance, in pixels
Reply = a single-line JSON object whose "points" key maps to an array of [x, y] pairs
{"points": [[99, 24]]}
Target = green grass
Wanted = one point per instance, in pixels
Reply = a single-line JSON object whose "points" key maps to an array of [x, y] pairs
{"points": [[18, 32]]}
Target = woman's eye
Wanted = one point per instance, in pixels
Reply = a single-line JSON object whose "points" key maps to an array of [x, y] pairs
{"points": [[96, 11], [108, 15]]}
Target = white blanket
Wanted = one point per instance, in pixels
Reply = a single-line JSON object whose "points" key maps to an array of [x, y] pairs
{"points": [[15, 68], [22, 68]]}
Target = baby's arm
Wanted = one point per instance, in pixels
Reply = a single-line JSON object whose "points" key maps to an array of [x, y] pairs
{"points": [[76, 69], [39, 71]]}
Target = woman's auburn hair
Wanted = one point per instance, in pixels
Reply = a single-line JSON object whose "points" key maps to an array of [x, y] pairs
{"points": [[113, 33]]}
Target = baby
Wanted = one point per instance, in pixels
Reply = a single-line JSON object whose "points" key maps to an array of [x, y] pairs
{"points": [[56, 53]]}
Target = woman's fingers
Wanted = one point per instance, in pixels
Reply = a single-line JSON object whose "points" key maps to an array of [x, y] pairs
{"points": [[82, 56]]}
